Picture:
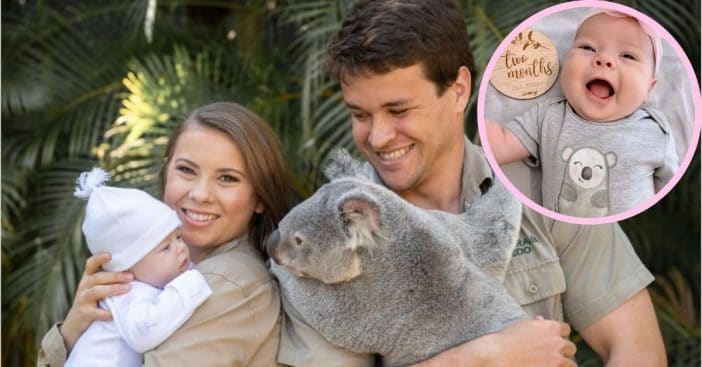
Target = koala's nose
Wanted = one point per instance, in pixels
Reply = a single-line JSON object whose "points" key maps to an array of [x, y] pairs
{"points": [[272, 244], [586, 173]]}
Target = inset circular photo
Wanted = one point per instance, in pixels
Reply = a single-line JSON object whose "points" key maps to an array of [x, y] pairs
{"points": [[595, 107]]}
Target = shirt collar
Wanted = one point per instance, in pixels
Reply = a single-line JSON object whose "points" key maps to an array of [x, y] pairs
{"points": [[229, 245], [477, 175]]}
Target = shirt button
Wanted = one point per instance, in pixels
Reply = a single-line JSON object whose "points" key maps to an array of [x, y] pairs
{"points": [[533, 289]]}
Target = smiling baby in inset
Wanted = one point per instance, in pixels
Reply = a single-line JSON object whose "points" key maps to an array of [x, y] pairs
{"points": [[601, 149]]}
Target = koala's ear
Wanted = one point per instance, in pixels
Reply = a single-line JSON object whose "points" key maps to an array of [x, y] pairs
{"points": [[360, 212], [567, 152], [611, 158], [341, 164]]}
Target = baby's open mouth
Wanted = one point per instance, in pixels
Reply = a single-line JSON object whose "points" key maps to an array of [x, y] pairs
{"points": [[600, 88]]}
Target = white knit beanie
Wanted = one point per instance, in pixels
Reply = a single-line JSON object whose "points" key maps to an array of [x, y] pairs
{"points": [[127, 223]]}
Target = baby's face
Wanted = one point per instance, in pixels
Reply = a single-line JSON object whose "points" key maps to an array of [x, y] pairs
{"points": [[164, 263], [608, 72]]}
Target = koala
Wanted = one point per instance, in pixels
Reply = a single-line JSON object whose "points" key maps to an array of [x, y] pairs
{"points": [[374, 274], [585, 191]]}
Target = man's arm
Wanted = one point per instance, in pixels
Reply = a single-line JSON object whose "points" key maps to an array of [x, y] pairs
{"points": [[504, 145], [629, 335], [607, 300], [530, 343]]}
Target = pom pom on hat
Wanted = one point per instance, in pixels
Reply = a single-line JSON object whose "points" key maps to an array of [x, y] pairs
{"points": [[127, 223], [87, 181]]}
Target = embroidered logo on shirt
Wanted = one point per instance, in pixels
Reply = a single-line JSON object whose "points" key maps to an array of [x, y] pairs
{"points": [[524, 245]]}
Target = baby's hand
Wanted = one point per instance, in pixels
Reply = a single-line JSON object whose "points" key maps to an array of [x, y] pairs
{"points": [[505, 147]]}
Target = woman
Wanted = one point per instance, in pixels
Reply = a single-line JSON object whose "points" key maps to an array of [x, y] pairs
{"points": [[224, 174]]}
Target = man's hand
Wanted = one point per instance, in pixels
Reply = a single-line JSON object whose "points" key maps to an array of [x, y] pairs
{"points": [[94, 286], [529, 343]]}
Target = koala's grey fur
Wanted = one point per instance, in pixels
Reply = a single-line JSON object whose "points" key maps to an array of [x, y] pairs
{"points": [[374, 274]]}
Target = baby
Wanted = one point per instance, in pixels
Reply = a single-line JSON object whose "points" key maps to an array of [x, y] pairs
{"points": [[601, 150], [143, 236]]}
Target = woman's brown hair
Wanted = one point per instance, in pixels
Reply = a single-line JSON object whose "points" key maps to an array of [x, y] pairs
{"points": [[262, 153]]}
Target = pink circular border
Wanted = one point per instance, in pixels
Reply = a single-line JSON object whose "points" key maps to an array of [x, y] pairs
{"points": [[696, 99]]}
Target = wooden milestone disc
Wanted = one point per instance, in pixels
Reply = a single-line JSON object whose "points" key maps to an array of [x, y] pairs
{"points": [[528, 67]]}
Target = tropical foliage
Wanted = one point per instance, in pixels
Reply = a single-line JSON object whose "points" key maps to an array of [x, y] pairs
{"points": [[86, 83]]}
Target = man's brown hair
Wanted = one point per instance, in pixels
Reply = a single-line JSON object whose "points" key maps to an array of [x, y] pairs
{"points": [[381, 35]]}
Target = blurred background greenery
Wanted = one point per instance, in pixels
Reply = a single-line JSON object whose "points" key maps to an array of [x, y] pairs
{"points": [[103, 82]]}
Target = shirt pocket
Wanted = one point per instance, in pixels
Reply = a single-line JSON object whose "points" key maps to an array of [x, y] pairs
{"points": [[536, 282]]}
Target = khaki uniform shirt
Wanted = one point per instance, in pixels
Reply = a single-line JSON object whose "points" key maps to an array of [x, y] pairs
{"points": [[558, 270], [238, 325]]}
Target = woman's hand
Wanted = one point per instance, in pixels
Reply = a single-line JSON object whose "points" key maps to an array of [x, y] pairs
{"points": [[94, 286]]}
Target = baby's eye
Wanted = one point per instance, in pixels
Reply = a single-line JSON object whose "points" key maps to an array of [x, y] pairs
{"points": [[587, 48], [167, 247], [629, 56]]}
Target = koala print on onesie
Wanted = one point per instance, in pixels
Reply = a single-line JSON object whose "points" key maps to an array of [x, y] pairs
{"points": [[585, 182]]}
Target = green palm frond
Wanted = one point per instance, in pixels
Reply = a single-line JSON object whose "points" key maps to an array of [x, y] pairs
{"points": [[674, 296], [162, 90], [323, 116], [14, 198], [46, 55], [679, 318], [45, 254]]}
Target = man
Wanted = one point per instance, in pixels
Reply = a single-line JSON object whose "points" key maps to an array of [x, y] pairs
{"points": [[405, 71]]}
